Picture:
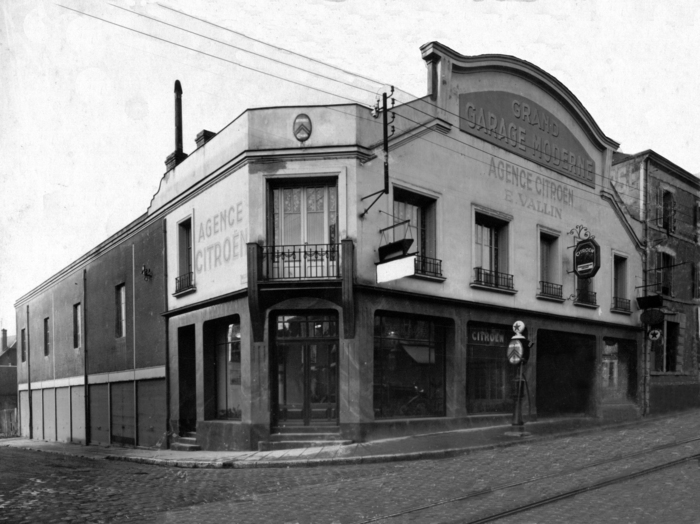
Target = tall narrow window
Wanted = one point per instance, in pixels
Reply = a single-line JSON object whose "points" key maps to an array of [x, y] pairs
{"points": [[549, 286], [584, 291], [491, 253], [620, 300], [664, 273], [695, 280], [120, 320], [185, 279], [305, 215], [665, 349], [47, 337], [419, 211], [24, 345], [77, 326], [666, 210]]}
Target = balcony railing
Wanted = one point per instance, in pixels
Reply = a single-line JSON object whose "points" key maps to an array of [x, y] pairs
{"points": [[493, 279], [549, 289], [431, 267], [621, 304], [586, 297], [184, 282], [301, 262]]}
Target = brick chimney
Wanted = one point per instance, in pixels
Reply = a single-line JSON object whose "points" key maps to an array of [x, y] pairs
{"points": [[203, 137], [4, 340], [178, 155]]}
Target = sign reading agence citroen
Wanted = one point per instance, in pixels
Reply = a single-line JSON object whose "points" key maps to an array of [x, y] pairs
{"points": [[525, 128]]}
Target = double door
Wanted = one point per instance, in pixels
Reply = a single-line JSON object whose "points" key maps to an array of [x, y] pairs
{"points": [[307, 383]]}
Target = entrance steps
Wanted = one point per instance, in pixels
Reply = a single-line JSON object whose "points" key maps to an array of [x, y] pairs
{"points": [[185, 442], [294, 437]]}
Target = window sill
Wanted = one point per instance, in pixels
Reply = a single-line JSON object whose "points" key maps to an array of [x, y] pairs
{"points": [[492, 288], [551, 298], [670, 374], [586, 305], [185, 292], [431, 278], [620, 311]]}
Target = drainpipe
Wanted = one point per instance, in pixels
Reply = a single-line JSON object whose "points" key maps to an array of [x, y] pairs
{"points": [[86, 394], [166, 442], [646, 347], [29, 378]]}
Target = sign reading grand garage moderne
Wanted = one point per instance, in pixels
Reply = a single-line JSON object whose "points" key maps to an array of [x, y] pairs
{"points": [[526, 129]]}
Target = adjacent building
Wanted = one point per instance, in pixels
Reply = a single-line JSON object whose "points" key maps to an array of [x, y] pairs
{"points": [[280, 284]]}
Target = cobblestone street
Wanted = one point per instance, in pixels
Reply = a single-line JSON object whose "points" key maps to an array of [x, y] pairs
{"points": [[42, 487]]}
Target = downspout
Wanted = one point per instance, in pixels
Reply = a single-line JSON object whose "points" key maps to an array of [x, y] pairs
{"points": [[29, 378], [166, 442], [86, 394], [646, 347]]}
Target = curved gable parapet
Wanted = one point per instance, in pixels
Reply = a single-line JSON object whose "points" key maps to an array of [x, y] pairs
{"points": [[434, 52]]}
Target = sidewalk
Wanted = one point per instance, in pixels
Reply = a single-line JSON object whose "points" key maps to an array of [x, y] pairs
{"points": [[422, 446]]}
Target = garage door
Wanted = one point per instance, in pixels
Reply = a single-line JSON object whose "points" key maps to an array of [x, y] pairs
{"points": [[24, 413], [77, 395], [63, 417], [123, 424], [37, 415], [99, 414], [152, 410]]}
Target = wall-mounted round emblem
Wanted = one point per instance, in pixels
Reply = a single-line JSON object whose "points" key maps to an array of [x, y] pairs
{"points": [[302, 127]]}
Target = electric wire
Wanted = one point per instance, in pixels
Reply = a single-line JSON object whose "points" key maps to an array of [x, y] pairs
{"points": [[301, 84]]}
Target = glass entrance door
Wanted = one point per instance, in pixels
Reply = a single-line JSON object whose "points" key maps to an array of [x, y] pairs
{"points": [[306, 361]]}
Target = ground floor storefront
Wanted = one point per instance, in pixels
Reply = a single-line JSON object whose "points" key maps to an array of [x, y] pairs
{"points": [[411, 363]]}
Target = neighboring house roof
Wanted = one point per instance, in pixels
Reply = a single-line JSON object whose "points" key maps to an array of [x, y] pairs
{"points": [[661, 161]]}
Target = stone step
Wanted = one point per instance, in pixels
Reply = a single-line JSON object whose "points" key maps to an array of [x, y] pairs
{"points": [[307, 429], [181, 446], [279, 437], [271, 445]]}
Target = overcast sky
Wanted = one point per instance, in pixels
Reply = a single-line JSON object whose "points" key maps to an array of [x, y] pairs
{"points": [[86, 106]]}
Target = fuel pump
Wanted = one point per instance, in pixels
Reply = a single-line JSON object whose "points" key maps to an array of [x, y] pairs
{"points": [[518, 353]]}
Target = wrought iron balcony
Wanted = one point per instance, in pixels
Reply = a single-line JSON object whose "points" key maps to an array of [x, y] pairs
{"points": [[548, 289], [493, 279], [431, 267], [586, 297], [621, 304], [184, 282], [308, 261]]}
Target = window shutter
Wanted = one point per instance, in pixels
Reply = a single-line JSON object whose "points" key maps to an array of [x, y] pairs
{"points": [[672, 217], [659, 207], [658, 272]]}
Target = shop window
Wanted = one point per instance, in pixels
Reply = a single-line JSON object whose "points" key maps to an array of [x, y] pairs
{"points": [[491, 252], [47, 337], [120, 308], [549, 257], [23, 341], [666, 210], [666, 348], [419, 210], [77, 326], [620, 301], [489, 376], [185, 279], [664, 273], [409, 367]]}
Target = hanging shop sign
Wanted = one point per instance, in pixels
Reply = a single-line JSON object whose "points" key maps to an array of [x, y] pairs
{"points": [[396, 269], [527, 129], [586, 258]]}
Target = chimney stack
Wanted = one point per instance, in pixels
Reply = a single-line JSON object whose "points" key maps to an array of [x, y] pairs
{"points": [[178, 156], [4, 340]]}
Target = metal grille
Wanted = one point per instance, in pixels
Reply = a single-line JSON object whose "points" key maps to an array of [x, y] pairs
{"points": [[302, 262], [428, 266], [492, 278], [550, 290], [184, 282], [586, 297], [621, 303]]}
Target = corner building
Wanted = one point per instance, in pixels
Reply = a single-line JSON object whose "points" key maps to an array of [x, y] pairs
{"points": [[281, 323]]}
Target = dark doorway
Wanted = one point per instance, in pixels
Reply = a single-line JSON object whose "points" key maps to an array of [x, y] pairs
{"points": [[187, 381], [305, 370], [565, 372]]}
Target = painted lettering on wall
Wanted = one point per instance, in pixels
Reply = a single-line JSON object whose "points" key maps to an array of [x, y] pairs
{"points": [[483, 336], [220, 238], [548, 197], [526, 129]]}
